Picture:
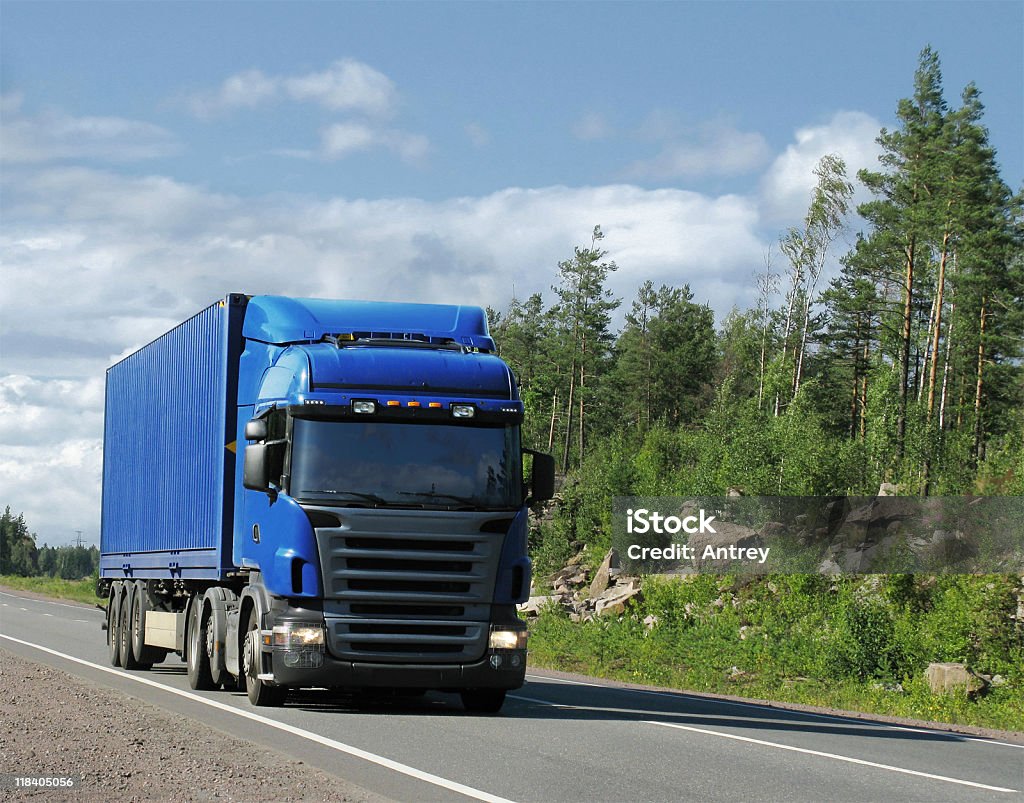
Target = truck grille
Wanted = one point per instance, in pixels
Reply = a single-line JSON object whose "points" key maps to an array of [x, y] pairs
{"points": [[408, 585]]}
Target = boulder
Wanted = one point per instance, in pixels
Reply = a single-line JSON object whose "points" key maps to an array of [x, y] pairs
{"points": [[727, 534], [943, 547], [603, 575], [949, 678], [533, 605], [773, 529], [615, 600]]}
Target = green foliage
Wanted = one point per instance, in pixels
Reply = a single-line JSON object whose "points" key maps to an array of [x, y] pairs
{"points": [[20, 556], [17, 545], [855, 642], [83, 590], [907, 369]]}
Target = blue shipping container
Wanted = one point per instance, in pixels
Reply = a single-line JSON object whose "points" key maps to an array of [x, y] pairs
{"points": [[168, 461]]}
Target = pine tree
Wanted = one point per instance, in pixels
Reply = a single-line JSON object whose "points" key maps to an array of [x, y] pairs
{"points": [[582, 320], [900, 213]]}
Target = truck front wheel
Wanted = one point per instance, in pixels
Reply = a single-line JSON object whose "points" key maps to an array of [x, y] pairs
{"points": [[260, 692]]}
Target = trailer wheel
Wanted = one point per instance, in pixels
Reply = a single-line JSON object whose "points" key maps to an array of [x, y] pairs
{"points": [[483, 701], [197, 661], [113, 627], [144, 656], [124, 631], [260, 692]]}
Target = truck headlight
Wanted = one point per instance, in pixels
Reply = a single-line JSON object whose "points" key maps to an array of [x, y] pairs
{"points": [[296, 636], [507, 639], [463, 410]]}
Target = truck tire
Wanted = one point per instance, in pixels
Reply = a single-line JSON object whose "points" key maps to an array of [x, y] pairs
{"points": [[216, 635], [144, 656], [483, 701], [197, 661], [260, 692], [124, 631], [113, 629]]}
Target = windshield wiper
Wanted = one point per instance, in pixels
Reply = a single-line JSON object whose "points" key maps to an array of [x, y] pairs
{"points": [[463, 500], [377, 500]]}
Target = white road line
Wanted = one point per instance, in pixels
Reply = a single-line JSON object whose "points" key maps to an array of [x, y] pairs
{"points": [[44, 602], [780, 746], [833, 756], [682, 695], [373, 758]]}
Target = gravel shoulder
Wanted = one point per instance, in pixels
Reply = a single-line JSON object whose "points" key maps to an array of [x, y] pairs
{"points": [[122, 749]]}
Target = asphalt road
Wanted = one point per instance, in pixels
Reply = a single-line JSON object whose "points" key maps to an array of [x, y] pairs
{"points": [[555, 740]]}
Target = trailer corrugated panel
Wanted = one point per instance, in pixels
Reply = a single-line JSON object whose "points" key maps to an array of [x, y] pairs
{"points": [[168, 472]]}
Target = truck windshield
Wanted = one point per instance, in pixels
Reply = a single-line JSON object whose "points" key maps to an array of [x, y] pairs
{"points": [[406, 464]]}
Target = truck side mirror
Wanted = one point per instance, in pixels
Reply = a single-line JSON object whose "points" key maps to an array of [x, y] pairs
{"points": [[542, 477], [263, 465], [256, 429], [255, 473]]}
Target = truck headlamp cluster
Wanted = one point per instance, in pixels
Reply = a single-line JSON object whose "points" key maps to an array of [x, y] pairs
{"points": [[293, 636], [300, 645], [463, 411], [364, 407], [507, 639]]}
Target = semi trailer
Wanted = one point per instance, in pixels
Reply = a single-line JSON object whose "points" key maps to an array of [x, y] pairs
{"points": [[305, 493]]}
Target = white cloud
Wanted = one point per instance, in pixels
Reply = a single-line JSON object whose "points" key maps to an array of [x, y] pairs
{"points": [[716, 149], [346, 85], [51, 431], [343, 139], [131, 256], [786, 187], [97, 264], [592, 126], [55, 136]]}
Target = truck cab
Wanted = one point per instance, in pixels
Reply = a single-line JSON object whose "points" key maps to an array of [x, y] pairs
{"points": [[382, 496]]}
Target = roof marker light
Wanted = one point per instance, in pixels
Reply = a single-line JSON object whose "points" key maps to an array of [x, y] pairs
{"points": [[394, 403], [413, 404], [435, 404]]}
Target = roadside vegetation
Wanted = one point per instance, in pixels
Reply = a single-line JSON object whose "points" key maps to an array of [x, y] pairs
{"points": [[857, 644], [64, 572], [56, 587], [905, 368]]}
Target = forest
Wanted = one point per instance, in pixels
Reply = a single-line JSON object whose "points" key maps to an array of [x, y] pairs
{"points": [[20, 556], [897, 361]]}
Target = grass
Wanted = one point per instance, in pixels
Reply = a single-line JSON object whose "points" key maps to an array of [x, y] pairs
{"points": [[77, 590], [856, 644]]}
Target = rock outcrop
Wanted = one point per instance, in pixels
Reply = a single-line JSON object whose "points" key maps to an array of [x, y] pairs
{"points": [[607, 593]]}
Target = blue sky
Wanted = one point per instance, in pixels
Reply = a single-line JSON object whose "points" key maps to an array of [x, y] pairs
{"points": [[522, 75], [157, 155]]}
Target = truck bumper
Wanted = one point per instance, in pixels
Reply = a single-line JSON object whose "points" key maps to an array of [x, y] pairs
{"points": [[508, 674]]}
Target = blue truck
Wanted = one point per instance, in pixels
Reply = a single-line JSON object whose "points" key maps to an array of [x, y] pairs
{"points": [[314, 493]]}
